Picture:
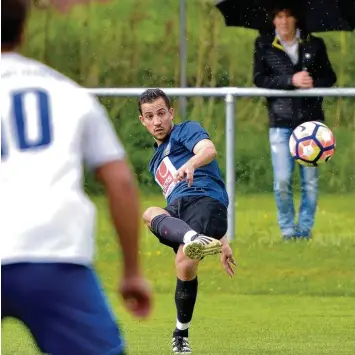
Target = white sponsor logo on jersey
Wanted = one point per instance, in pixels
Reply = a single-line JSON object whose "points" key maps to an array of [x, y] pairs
{"points": [[164, 176]]}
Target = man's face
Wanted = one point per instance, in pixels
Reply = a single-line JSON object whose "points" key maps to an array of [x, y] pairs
{"points": [[157, 119], [284, 23]]}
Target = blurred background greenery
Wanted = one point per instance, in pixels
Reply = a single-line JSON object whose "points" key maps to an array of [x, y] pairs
{"points": [[135, 43]]}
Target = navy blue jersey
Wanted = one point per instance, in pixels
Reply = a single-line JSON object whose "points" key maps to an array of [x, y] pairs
{"points": [[175, 152]]}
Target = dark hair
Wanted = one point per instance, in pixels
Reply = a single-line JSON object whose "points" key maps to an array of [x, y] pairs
{"points": [[13, 18], [290, 10], [151, 95]]}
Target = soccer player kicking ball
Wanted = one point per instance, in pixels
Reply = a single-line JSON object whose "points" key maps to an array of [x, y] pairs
{"points": [[194, 222], [49, 127]]}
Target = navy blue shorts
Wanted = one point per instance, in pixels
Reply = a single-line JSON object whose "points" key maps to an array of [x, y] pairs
{"points": [[63, 306]]}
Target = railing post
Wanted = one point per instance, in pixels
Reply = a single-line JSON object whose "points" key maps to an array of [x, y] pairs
{"points": [[230, 163], [183, 58]]}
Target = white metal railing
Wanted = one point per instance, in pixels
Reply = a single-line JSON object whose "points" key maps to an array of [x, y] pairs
{"points": [[230, 94]]}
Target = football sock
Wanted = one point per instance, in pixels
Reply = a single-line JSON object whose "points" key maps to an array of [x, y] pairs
{"points": [[172, 230], [185, 298]]}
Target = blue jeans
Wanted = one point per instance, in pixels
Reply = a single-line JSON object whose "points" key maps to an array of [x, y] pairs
{"points": [[283, 167]]}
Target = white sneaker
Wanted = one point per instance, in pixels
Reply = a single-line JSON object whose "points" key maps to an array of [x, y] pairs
{"points": [[202, 246]]}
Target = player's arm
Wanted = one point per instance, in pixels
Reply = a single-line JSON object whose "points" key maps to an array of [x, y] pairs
{"points": [[205, 152], [195, 139], [104, 154], [227, 258], [122, 195]]}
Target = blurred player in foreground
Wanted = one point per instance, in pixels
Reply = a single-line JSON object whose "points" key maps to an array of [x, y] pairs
{"points": [[194, 223], [49, 128]]}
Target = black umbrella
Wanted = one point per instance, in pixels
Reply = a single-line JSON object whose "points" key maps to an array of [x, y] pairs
{"points": [[314, 15]]}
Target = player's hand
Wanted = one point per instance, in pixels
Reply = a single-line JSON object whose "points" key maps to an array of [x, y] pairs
{"points": [[302, 80], [137, 296], [186, 172], [227, 259]]}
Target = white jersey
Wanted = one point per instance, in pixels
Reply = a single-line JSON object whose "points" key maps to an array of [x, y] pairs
{"points": [[50, 127]]}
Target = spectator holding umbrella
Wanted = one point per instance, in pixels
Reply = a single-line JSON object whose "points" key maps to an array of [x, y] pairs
{"points": [[288, 58]]}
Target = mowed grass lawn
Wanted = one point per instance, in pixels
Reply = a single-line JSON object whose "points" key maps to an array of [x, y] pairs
{"points": [[286, 298]]}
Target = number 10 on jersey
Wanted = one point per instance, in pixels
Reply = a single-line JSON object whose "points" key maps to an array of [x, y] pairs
{"points": [[17, 132]]}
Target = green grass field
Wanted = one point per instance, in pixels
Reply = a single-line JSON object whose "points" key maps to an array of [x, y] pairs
{"points": [[286, 298]]}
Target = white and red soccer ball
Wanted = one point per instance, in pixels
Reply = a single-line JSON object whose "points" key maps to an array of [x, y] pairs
{"points": [[312, 143]]}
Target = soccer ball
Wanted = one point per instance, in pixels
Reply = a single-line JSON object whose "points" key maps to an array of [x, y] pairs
{"points": [[312, 143]]}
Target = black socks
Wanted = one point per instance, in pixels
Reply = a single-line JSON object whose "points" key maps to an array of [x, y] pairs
{"points": [[185, 298], [170, 230]]}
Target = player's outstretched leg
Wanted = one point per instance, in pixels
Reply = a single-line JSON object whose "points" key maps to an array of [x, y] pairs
{"points": [[174, 231]]}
